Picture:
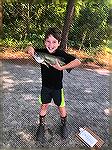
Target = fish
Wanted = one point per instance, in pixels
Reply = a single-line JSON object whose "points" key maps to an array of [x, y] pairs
{"points": [[48, 59]]}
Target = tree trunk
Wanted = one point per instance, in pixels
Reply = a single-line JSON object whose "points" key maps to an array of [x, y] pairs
{"points": [[1, 16], [67, 23], [110, 17]]}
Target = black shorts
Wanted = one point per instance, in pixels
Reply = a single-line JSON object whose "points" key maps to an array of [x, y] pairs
{"points": [[48, 94]]}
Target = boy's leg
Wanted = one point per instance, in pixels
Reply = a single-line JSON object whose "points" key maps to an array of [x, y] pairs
{"points": [[43, 109], [58, 97], [63, 115], [45, 100], [43, 112], [40, 134], [62, 109]]}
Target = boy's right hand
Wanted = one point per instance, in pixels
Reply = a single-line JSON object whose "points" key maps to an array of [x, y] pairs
{"points": [[30, 50]]}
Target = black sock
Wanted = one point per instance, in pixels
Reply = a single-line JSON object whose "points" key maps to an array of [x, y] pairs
{"points": [[42, 119], [64, 120]]}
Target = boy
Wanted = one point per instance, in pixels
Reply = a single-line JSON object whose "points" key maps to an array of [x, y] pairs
{"points": [[52, 87]]}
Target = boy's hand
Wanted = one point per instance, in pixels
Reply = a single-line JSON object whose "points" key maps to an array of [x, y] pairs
{"points": [[57, 66], [30, 50]]}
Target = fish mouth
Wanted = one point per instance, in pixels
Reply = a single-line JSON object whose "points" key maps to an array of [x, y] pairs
{"points": [[40, 60]]}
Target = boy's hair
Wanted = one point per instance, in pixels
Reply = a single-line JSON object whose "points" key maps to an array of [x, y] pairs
{"points": [[55, 32]]}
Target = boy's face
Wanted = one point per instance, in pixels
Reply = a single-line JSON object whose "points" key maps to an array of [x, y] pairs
{"points": [[51, 44]]}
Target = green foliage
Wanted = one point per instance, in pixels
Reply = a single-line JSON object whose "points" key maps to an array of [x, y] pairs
{"points": [[27, 22], [90, 27], [9, 42]]}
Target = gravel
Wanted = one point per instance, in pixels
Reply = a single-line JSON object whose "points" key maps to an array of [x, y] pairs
{"points": [[86, 96]]}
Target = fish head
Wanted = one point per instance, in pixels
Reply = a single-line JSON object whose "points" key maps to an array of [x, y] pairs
{"points": [[39, 58]]}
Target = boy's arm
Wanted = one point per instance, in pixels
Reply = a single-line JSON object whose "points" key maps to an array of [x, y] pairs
{"points": [[74, 63]]}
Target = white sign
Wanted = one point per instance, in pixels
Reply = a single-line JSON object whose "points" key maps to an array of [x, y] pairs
{"points": [[87, 137]]}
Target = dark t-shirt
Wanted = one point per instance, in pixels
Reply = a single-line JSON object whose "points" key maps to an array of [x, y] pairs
{"points": [[51, 77]]}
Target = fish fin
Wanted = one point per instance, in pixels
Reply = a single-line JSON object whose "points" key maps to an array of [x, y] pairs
{"points": [[44, 63]]}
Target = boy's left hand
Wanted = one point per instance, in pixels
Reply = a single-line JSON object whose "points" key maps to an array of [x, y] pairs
{"points": [[57, 66]]}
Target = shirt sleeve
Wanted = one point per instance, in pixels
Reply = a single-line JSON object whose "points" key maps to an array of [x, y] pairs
{"points": [[67, 57]]}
